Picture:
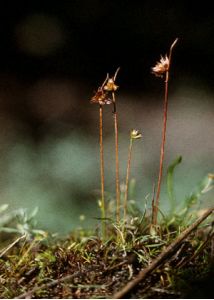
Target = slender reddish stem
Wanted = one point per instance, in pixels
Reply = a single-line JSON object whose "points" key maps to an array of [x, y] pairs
{"points": [[102, 172], [165, 110], [116, 159]]}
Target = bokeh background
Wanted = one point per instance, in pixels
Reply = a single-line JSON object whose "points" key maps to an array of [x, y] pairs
{"points": [[54, 55]]}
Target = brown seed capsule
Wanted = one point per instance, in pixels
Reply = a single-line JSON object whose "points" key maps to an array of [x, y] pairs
{"points": [[101, 97], [110, 86], [161, 66]]}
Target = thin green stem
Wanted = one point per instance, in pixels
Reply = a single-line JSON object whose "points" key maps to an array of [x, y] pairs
{"points": [[127, 180]]}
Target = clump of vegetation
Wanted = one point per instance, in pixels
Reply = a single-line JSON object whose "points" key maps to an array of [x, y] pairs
{"points": [[132, 253]]}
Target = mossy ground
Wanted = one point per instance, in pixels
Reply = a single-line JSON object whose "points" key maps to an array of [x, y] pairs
{"points": [[81, 265]]}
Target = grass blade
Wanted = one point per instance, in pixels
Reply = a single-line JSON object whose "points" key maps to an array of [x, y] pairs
{"points": [[170, 183]]}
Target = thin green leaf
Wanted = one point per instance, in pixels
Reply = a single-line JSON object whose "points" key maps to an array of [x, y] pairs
{"points": [[170, 183], [203, 187]]}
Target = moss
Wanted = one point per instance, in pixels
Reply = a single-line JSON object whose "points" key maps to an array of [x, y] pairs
{"points": [[45, 267]]}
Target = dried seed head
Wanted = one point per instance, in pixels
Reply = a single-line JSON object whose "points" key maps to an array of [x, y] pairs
{"points": [[135, 134], [161, 66], [101, 97], [110, 86]]}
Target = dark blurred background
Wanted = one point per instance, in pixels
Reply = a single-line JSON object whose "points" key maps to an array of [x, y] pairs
{"points": [[54, 54]]}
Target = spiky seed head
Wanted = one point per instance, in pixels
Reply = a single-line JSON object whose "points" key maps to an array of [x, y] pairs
{"points": [[111, 86], [101, 97], [161, 66]]}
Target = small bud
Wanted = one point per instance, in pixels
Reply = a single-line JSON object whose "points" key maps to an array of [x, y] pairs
{"points": [[135, 134]]}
